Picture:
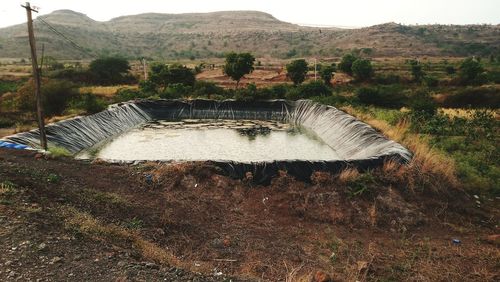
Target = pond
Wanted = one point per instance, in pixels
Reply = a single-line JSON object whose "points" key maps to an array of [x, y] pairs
{"points": [[221, 140]]}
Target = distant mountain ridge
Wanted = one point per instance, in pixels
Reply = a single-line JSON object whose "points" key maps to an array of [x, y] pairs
{"points": [[206, 35]]}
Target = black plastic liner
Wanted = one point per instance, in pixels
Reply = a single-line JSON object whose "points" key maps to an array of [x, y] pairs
{"points": [[357, 143]]}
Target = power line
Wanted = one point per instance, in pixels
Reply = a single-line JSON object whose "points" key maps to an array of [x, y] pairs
{"points": [[73, 43]]}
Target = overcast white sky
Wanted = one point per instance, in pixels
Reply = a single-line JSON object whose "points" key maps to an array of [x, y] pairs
{"points": [[351, 13]]}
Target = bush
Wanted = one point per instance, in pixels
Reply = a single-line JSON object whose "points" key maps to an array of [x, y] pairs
{"points": [[89, 103], [176, 91], [124, 95], [75, 75], [7, 86], [421, 103], [362, 69], [450, 70], [326, 73], [431, 81], [416, 70], [469, 71], [346, 64], [206, 89], [109, 70], [494, 76], [473, 97], [163, 75], [384, 96], [56, 96], [387, 79]]}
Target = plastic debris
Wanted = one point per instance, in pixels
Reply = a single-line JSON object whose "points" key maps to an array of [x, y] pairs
{"points": [[456, 241], [149, 179]]}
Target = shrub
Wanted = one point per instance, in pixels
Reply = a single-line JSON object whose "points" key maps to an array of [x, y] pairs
{"points": [[56, 96], [384, 96], [362, 69], [494, 76], [75, 75], [89, 103], [123, 95], [387, 79], [326, 73], [313, 89], [279, 91], [7, 86], [206, 89], [431, 81], [421, 103], [176, 91], [296, 71], [416, 70], [109, 70], [469, 71], [346, 64], [473, 97], [450, 70], [163, 75]]}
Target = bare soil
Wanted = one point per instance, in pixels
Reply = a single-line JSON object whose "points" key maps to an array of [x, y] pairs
{"points": [[71, 220]]}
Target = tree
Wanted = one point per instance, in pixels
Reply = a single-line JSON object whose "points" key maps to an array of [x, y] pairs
{"points": [[326, 73], [109, 70], [346, 64], [163, 75], [362, 69], [469, 70], [416, 70], [297, 71], [238, 65]]}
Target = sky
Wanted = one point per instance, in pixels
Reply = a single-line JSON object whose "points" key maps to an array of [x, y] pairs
{"points": [[343, 13]]}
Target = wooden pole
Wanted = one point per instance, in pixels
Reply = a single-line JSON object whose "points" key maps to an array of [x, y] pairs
{"points": [[36, 77], [145, 68]]}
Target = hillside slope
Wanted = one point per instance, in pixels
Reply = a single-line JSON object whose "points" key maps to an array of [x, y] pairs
{"points": [[205, 35]]}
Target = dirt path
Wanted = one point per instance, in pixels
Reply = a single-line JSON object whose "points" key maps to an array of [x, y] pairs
{"points": [[69, 220]]}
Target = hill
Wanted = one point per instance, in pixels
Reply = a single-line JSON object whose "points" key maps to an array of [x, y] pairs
{"points": [[207, 35]]}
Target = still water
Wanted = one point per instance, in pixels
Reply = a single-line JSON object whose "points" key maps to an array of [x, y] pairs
{"points": [[199, 140]]}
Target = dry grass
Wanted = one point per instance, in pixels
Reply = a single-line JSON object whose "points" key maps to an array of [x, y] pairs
{"points": [[105, 91], [85, 223], [428, 167], [348, 175]]}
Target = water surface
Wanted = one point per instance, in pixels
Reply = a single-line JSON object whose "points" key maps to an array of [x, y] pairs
{"points": [[200, 140]]}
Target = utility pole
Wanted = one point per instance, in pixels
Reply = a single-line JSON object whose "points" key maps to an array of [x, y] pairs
{"points": [[36, 77], [145, 68], [315, 69]]}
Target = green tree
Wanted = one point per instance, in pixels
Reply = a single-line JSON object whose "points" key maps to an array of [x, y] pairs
{"points": [[362, 69], [346, 64], [416, 70], [326, 73], [109, 70], [297, 71], [469, 70], [238, 65], [163, 75]]}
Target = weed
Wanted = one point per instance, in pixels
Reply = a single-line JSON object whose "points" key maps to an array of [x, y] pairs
{"points": [[53, 178], [59, 152], [134, 223]]}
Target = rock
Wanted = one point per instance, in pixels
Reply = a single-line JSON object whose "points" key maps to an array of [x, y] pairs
{"points": [[121, 263], [151, 265], [320, 276], [55, 260], [42, 247], [7, 263]]}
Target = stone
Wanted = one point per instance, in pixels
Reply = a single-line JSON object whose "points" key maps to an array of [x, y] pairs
{"points": [[320, 276], [55, 260], [42, 246]]}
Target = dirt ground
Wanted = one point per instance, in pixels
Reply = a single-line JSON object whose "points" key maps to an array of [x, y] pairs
{"points": [[71, 220]]}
